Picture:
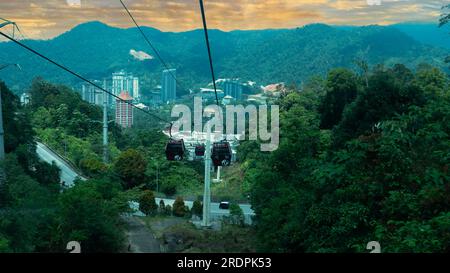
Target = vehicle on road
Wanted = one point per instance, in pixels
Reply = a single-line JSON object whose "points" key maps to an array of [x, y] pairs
{"points": [[224, 205]]}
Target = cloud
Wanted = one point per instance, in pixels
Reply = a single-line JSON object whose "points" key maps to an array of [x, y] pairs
{"points": [[46, 19], [373, 2], [140, 55], [74, 3]]}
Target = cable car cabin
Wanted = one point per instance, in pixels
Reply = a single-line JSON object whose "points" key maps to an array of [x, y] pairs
{"points": [[200, 150], [221, 154], [175, 150]]}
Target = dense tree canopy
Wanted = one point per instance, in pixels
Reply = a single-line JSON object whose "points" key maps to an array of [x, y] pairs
{"points": [[381, 174], [35, 216], [342, 88], [131, 167]]}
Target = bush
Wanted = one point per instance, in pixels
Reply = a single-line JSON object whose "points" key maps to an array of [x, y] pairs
{"points": [[147, 203], [236, 214], [197, 208], [168, 210], [169, 187], [187, 212], [162, 207], [179, 209]]}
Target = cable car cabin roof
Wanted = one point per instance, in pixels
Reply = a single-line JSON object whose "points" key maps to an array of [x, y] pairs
{"points": [[175, 143], [175, 150]]}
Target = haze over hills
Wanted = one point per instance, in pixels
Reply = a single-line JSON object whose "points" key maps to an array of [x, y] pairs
{"points": [[95, 50]]}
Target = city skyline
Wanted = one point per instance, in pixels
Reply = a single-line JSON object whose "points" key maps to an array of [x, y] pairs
{"points": [[51, 18]]}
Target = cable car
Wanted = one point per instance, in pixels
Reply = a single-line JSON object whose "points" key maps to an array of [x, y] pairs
{"points": [[200, 150], [221, 153], [175, 150]]}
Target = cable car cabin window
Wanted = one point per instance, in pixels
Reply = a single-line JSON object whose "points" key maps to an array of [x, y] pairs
{"points": [[175, 150], [200, 150], [221, 154]]}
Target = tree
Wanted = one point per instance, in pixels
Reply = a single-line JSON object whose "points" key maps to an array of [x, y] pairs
{"points": [[197, 208], [342, 87], [28, 210], [47, 174], [16, 123], [179, 207], [131, 166], [236, 214], [169, 185], [86, 216], [147, 203], [391, 92], [162, 207], [93, 167], [445, 17], [168, 210], [336, 198]]}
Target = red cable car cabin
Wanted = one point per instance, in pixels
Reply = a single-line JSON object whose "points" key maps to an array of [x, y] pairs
{"points": [[221, 154], [200, 150], [175, 150]]}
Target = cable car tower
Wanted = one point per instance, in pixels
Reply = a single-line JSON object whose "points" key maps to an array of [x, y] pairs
{"points": [[5, 22]]}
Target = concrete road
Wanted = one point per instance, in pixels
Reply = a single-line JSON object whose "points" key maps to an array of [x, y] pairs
{"points": [[140, 238], [68, 174]]}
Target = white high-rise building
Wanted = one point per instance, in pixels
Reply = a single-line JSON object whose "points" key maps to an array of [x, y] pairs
{"points": [[123, 81], [136, 90], [92, 94], [169, 86]]}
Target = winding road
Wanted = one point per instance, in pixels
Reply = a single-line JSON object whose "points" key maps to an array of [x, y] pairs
{"points": [[68, 173]]}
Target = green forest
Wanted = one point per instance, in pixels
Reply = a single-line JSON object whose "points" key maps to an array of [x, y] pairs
{"points": [[358, 162], [364, 155]]}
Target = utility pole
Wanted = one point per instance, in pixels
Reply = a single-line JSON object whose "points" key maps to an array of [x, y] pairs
{"points": [[157, 177], [207, 192], [105, 128]]}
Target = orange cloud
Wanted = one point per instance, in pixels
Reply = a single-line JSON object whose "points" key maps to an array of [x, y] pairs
{"points": [[46, 19]]}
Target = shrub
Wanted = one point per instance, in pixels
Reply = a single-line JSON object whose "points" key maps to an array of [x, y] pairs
{"points": [[178, 207], [236, 214], [162, 207], [168, 210], [197, 208], [147, 203]]}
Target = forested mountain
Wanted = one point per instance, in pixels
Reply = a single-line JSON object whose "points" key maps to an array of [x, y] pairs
{"points": [[266, 56]]}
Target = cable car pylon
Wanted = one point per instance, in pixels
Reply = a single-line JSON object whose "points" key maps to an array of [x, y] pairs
{"points": [[207, 191]]}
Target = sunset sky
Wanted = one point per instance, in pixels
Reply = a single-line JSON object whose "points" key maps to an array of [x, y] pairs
{"points": [[45, 19]]}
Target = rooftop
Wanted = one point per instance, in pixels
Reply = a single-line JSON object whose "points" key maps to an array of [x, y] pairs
{"points": [[124, 95]]}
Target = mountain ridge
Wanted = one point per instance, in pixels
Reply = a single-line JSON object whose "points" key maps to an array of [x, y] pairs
{"points": [[95, 50]]}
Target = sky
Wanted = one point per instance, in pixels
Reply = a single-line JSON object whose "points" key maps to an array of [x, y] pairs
{"points": [[44, 19]]}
